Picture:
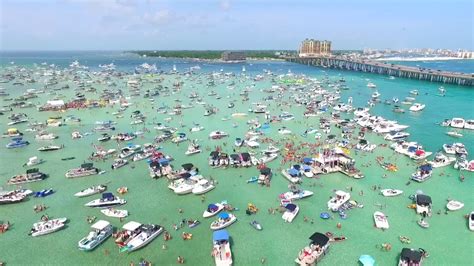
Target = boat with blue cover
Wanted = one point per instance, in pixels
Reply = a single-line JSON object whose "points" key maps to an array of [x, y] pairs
{"points": [[17, 143], [221, 248]]}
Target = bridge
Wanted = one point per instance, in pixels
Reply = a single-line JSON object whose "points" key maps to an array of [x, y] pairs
{"points": [[378, 67]]}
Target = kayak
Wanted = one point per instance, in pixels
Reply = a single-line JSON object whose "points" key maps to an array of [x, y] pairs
{"points": [[253, 179]]}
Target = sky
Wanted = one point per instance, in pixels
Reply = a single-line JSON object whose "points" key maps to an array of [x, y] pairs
{"points": [[233, 24]]}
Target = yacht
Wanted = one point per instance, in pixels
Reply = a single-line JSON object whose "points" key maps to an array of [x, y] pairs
{"points": [[137, 235], [338, 200], [34, 161], [107, 200], [441, 160], [101, 230], [86, 169], [396, 136]]}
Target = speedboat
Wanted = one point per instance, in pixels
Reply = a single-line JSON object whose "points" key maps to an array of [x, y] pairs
{"points": [[293, 174], [101, 230], [371, 85], [423, 223], [107, 200], [111, 212], [449, 148], [256, 225], [86, 169], [203, 186], [225, 219], [290, 212], [296, 195], [197, 128], [218, 134], [396, 136], [212, 210], [271, 149], [454, 134], [45, 136], [193, 148], [139, 235], [411, 257], [457, 122], [12, 133], [44, 193], [376, 94], [50, 148], [454, 205], [267, 157], [381, 220], [221, 248], [182, 187], [423, 173], [119, 163], [129, 151], [17, 143], [105, 137], [180, 137], [284, 131], [469, 124], [414, 92], [471, 221], [91, 191], [31, 175], [338, 200], [14, 196], [34, 161], [47, 227], [391, 192], [441, 160]]}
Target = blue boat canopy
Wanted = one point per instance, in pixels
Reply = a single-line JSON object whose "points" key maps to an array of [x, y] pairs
{"points": [[220, 235], [293, 172], [307, 160], [412, 149], [426, 167], [224, 215], [290, 207], [163, 161], [108, 195]]}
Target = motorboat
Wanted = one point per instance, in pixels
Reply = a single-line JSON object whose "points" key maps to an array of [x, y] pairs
{"points": [[86, 169], [423, 223], [315, 251], [296, 195], [471, 221], [256, 225], [45, 136], [221, 248], [197, 128], [469, 124], [203, 186], [396, 136], [101, 230], [271, 149], [141, 155], [76, 135], [217, 134], [284, 131], [139, 235], [111, 212], [32, 161], [47, 227], [129, 151], [182, 187], [213, 209], [423, 173], [44, 193], [14, 196], [416, 107], [371, 85], [449, 148], [119, 163], [376, 94], [454, 134], [107, 200], [454, 205], [293, 174], [462, 164], [423, 204], [391, 192], [12, 133], [441, 160], [381, 220], [267, 157], [460, 149], [364, 145], [180, 137], [91, 191], [50, 148], [105, 137], [457, 122], [31, 175], [414, 92], [17, 143], [225, 219], [285, 116], [290, 212], [411, 257], [338, 200]]}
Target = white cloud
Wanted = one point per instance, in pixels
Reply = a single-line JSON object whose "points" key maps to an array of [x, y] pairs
{"points": [[225, 5], [159, 17]]}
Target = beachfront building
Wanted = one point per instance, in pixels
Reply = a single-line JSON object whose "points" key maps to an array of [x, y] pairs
{"points": [[233, 56], [311, 47]]}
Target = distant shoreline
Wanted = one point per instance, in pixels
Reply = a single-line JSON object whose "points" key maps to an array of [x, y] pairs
{"points": [[414, 59]]}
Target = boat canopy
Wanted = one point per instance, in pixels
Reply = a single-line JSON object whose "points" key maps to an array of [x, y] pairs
{"points": [[412, 255], [131, 226], [341, 193], [297, 167], [235, 157], [87, 165], [245, 156], [423, 199], [265, 171], [224, 215], [307, 160], [212, 207], [214, 154], [187, 166], [100, 225], [108, 196], [319, 239], [220, 235], [426, 167], [163, 161], [291, 207], [155, 164], [293, 172]]}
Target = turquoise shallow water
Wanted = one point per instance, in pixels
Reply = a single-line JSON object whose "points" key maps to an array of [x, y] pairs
{"points": [[448, 240]]}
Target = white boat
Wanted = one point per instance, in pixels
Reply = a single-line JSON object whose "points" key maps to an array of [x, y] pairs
{"points": [[290, 212], [469, 124], [338, 200], [45, 136], [179, 138], [416, 107], [34, 161], [391, 192], [423, 173], [284, 131], [414, 92], [371, 85], [395, 136], [119, 163], [203, 186], [197, 128], [86, 169], [47, 227], [111, 212], [91, 191], [212, 210], [454, 134], [457, 122], [193, 148], [225, 219], [101, 230], [267, 157], [217, 134], [381, 220], [376, 94], [293, 175], [221, 248], [449, 148], [423, 223], [107, 200], [296, 195], [76, 135], [182, 187], [471, 221], [454, 205], [441, 160], [141, 235]]}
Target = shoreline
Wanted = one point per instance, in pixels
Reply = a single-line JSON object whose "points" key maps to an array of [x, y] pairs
{"points": [[416, 59]]}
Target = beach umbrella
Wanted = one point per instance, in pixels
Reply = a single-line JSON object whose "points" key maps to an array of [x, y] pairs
{"points": [[224, 215], [187, 166], [367, 260], [290, 207]]}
